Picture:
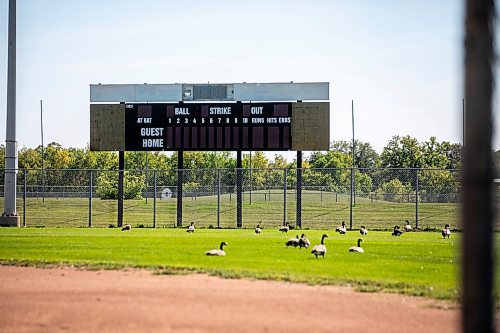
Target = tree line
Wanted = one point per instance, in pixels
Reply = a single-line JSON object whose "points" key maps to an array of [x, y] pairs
{"points": [[375, 175], [400, 152]]}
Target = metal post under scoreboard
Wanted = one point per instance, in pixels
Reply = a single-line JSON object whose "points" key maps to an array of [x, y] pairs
{"points": [[239, 187], [180, 171], [121, 166], [299, 189]]}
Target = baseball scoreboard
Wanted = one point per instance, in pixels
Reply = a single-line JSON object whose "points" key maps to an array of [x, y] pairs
{"points": [[208, 126]]}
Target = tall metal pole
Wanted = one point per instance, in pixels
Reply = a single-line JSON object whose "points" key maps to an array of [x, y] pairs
{"points": [[353, 159], [43, 153], [9, 216], [352, 168], [477, 170]]}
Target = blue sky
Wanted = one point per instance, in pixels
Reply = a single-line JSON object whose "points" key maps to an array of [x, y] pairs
{"points": [[401, 61]]}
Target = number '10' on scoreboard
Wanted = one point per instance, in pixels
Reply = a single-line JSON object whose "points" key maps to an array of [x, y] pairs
{"points": [[208, 126]]}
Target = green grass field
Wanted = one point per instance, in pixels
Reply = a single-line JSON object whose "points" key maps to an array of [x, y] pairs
{"points": [[319, 211], [416, 263]]}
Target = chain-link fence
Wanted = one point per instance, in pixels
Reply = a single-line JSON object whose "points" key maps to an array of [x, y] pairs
{"points": [[375, 198]]}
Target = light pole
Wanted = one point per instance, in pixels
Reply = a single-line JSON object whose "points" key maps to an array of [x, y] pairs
{"points": [[9, 216]]}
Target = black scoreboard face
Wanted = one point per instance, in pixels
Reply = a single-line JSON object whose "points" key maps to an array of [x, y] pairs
{"points": [[208, 126]]}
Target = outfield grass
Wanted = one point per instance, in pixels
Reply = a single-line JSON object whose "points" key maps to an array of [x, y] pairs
{"points": [[416, 263], [319, 211]]}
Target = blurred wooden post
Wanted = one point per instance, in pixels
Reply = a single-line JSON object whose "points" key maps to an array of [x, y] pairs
{"points": [[477, 181]]}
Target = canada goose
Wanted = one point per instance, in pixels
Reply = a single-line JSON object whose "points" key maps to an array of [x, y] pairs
{"points": [[258, 230], [396, 231], [126, 227], [407, 226], [191, 228], [304, 242], [284, 228], [320, 250], [446, 231], [357, 248], [363, 231], [342, 229], [219, 252], [292, 241]]}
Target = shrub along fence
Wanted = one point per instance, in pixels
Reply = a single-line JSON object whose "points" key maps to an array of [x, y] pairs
{"points": [[306, 198]]}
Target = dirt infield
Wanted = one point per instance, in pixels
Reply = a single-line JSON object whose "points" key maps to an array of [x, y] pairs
{"points": [[70, 300]]}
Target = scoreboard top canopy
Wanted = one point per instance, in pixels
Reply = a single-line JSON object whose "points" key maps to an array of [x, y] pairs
{"points": [[262, 92], [233, 116]]}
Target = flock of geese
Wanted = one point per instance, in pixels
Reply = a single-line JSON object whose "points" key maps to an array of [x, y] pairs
{"points": [[303, 242]]}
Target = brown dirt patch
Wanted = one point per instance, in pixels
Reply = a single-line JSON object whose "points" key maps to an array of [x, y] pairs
{"points": [[71, 300]]}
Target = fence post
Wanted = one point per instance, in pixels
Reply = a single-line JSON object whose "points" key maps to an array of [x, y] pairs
{"points": [[90, 199], [154, 199], [24, 197], [218, 198], [416, 198], [284, 196]]}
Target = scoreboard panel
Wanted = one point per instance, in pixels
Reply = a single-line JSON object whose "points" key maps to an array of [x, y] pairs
{"points": [[208, 126]]}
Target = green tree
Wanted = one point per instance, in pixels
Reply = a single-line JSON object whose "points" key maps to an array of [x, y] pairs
{"points": [[107, 185], [365, 157], [393, 191], [433, 154], [402, 152], [438, 185]]}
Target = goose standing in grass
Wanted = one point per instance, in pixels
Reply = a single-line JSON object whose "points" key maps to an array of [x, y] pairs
{"points": [[304, 242], [396, 231], [357, 248], [292, 241], [320, 250], [407, 226], [284, 228], [191, 228], [342, 229], [258, 230], [363, 231], [446, 231], [126, 227], [220, 252]]}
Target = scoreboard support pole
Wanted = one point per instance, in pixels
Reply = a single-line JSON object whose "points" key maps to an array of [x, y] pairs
{"points": [[239, 186], [121, 166], [299, 189], [180, 180]]}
